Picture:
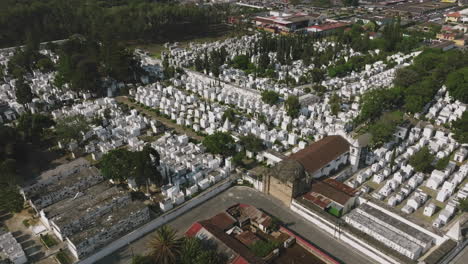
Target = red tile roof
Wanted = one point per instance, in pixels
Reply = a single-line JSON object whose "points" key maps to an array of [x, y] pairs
{"points": [[454, 14], [223, 221], [247, 238], [330, 26], [193, 230], [331, 191], [341, 186], [319, 154], [232, 243], [311, 248], [239, 260], [318, 199]]}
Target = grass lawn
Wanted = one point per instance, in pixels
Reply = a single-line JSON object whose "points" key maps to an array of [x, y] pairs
{"points": [[63, 258], [48, 240]]}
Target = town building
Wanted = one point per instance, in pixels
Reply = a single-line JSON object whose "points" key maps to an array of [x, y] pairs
{"points": [[322, 158], [327, 27], [293, 176], [285, 22], [234, 231], [329, 195]]}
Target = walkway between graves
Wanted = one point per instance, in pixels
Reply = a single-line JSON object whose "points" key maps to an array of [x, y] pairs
{"points": [[168, 123]]}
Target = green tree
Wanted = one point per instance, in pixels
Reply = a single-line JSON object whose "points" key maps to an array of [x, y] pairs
{"points": [[219, 143], [86, 77], [441, 164], [252, 143], [240, 62], [406, 77], [69, 128], [463, 204], [230, 114], [32, 126], [270, 97], [190, 250], [45, 65], [460, 128], [335, 104], [317, 75], [165, 246], [10, 199], [422, 160], [198, 64], [122, 164], [194, 251], [139, 259], [145, 166], [457, 83], [23, 92], [292, 106], [382, 131], [117, 164]]}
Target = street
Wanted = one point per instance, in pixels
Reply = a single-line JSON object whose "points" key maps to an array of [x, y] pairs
{"points": [[461, 258], [234, 195]]}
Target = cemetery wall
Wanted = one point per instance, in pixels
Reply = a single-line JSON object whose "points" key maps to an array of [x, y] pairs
{"points": [[154, 224], [344, 236], [258, 184]]}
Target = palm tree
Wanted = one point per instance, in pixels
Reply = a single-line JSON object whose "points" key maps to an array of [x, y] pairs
{"points": [[165, 246], [190, 250]]}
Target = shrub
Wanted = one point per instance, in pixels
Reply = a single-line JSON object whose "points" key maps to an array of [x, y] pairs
{"points": [[263, 248]]}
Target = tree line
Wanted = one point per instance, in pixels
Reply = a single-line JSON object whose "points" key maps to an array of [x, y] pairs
{"points": [[17, 145], [414, 87], [126, 20], [86, 63]]}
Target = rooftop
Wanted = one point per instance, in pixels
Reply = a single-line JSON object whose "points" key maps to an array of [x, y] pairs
{"points": [[107, 221], [288, 171], [391, 221], [86, 203], [383, 231], [331, 190], [317, 155]]}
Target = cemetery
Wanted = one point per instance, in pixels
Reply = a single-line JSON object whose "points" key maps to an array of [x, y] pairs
{"points": [[220, 87], [10, 248], [81, 209]]}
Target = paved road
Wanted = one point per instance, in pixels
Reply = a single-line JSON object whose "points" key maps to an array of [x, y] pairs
{"points": [[461, 258], [247, 195]]}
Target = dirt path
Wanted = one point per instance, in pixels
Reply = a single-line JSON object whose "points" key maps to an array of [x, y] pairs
{"points": [[168, 123]]}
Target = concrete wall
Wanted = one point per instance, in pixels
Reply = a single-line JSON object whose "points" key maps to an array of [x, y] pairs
{"points": [[344, 236], [281, 191], [258, 184], [154, 224]]}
